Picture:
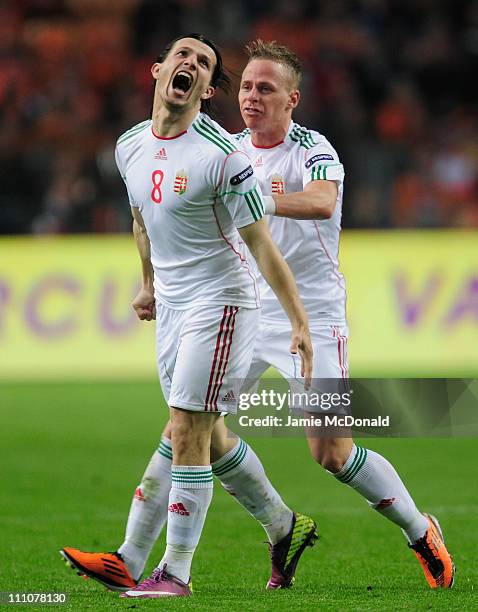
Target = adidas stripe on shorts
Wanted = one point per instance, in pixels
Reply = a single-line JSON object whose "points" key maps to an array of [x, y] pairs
{"points": [[204, 354]]}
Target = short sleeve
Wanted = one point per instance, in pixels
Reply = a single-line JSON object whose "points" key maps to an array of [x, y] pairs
{"points": [[240, 191], [123, 176], [322, 163]]}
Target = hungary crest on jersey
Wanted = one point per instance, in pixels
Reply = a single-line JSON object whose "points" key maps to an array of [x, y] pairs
{"points": [[277, 184], [180, 182]]}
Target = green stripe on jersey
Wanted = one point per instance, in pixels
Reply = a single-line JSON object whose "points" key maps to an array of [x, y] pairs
{"points": [[134, 130], [212, 134], [242, 134], [254, 202], [303, 137], [319, 173]]}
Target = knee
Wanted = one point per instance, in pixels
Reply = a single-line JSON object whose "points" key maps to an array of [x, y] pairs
{"points": [[184, 440], [330, 455], [330, 460], [191, 438]]}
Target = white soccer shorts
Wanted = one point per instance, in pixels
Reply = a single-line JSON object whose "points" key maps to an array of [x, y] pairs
{"points": [[204, 354], [330, 363]]}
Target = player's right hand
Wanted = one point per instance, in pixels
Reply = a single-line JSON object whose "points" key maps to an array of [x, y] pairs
{"points": [[144, 305], [302, 344]]}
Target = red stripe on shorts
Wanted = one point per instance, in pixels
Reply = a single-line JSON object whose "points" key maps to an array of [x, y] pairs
{"points": [[227, 345], [220, 361], [346, 356], [340, 349], [225, 316]]}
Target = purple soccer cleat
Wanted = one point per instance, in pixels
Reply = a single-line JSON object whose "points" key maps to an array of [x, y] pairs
{"points": [[160, 584], [285, 554]]}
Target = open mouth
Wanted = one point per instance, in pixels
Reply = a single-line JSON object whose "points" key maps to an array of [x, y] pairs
{"points": [[251, 111], [182, 81]]}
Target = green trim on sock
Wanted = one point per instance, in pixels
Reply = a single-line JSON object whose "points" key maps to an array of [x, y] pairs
{"points": [[191, 475], [357, 463], [165, 450], [233, 462]]}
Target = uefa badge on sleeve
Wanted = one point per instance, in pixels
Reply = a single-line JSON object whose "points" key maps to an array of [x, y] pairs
{"points": [[180, 182], [277, 184]]}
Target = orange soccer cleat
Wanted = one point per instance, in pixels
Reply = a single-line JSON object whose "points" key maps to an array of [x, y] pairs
{"points": [[436, 561], [107, 568]]}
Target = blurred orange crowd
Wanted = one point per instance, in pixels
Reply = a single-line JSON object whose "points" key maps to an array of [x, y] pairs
{"points": [[392, 84]]}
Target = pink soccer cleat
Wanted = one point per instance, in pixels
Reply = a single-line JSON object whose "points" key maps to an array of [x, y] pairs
{"points": [[160, 584]]}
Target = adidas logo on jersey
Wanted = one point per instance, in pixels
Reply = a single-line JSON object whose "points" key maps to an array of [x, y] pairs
{"points": [[229, 397], [161, 154], [138, 494], [179, 509], [259, 162]]}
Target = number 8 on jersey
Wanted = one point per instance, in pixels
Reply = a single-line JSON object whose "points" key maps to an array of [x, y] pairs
{"points": [[157, 177]]}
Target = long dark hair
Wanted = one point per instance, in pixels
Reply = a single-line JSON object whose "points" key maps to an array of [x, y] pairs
{"points": [[220, 78]]}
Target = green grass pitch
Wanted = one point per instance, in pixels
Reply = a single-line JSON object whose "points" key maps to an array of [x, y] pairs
{"points": [[73, 454]]}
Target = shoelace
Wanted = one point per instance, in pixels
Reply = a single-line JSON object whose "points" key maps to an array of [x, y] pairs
{"points": [[160, 574], [155, 577]]}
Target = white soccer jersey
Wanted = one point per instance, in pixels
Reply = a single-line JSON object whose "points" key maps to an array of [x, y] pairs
{"points": [[193, 191], [310, 247]]}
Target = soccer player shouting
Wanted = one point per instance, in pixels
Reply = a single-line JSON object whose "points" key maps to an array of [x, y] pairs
{"points": [[304, 177], [193, 196]]}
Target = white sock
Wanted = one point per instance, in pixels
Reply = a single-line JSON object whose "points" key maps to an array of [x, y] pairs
{"points": [[189, 499], [149, 510], [376, 479], [242, 474]]}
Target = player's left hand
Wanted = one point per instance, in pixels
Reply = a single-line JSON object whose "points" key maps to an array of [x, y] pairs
{"points": [[144, 305], [302, 344]]}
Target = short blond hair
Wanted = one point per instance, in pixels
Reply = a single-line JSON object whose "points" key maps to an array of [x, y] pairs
{"points": [[271, 50]]}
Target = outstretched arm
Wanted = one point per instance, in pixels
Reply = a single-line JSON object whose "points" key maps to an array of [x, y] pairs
{"points": [[278, 275], [317, 201]]}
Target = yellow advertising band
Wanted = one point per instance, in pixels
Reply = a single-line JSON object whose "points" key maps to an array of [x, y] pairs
{"points": [[65, 314]]}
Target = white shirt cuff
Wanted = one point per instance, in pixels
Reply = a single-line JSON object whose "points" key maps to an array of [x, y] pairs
{"points": [[269, 205]]}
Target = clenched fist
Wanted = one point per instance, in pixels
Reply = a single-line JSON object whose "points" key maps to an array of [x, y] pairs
{"points": [[144, 305]]}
